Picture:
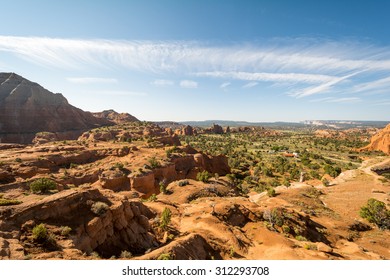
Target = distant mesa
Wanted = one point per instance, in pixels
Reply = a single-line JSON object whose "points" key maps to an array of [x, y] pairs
{"points": [[115, 117], [26, 108], [380, 141]]}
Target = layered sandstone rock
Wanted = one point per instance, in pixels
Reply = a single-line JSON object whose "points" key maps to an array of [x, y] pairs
{"points": [[115, 117], [123, 223], [380, 141], [27, 108]]}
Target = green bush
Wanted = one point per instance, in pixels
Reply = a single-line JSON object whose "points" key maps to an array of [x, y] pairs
{"points": [[65, 231], [99, 208], [165, 257], [271, 192], [126, 255], [39, 233], [42, 185], [165, 219], [154, 163], [7, 202], [163, 187], [376, 212], [203, 176]]}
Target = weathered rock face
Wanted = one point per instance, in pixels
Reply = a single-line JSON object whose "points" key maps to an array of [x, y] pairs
{"points": [[114, 180], [380, 141], [27, 108], [123, 223], [217, 129], [187, 130], [115, 117]]}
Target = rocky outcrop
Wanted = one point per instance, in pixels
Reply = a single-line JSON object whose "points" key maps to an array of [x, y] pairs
{"points": [[45, 137], [115, 117], [187, 130], [380, 141], [217, 129], [26, 108], [122, 224], [190, 247], [169, 140], [115, 180]]}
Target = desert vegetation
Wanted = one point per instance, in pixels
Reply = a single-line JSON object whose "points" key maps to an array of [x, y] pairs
{"points": [[138, 191]]}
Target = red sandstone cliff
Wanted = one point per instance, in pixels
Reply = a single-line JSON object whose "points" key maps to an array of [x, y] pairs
{"points": [[27, 108]]}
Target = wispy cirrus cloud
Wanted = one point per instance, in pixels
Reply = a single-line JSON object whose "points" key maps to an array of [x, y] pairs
{"points": [[373, 86], [225, 85], [269, 77], [337, 100], [163, 83], [118, 93], [309, 66], [323, 87], [91, 80], [188, 84], [250, 85]]}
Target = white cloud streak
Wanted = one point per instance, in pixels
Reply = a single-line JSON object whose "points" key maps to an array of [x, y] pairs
{"points": [[250, 85], [323, 87], [381, 84], [188, 84], [91, 80], [337, 100], [224, 85], [117, 93], [269, 77], [322, 64], [162, 83]]}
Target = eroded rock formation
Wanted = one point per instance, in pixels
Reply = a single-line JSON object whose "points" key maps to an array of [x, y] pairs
{"points": [[27, 108]]}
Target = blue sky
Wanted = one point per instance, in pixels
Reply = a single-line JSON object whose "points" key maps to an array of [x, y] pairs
{"points": [[199, 60]]}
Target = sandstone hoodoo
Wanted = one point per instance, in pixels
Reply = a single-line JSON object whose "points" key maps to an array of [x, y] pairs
{"points": [[26, 108], [380, 141]]}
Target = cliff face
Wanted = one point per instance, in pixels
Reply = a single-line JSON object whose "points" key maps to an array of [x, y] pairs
{"points": [[380, 141], [27, 108]]}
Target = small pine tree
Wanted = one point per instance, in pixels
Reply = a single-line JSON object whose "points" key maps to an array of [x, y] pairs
{"points": [[165, 219], [375, 212]]}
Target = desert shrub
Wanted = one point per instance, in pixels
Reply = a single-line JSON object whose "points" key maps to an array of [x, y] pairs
{"points": [[118, 165], [165, 257], [126, 255], [376, 212], [99, 208], [271, 192], [163, 186], [203, 176], [286, 229], [19, 160], [310, 246], [39, 233], [42, 185], [65, 230], [300, 238], [7, 202], [154, 163], [165, 219], [274, 216], [325, 182], [183, 183], [232, 252]]}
